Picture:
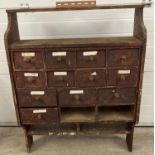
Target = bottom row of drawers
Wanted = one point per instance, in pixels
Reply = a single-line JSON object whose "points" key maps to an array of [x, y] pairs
{"points": [[77, 97]]}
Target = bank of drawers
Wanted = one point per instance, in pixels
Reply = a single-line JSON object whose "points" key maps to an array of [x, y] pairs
{"points": [[71, 78]]}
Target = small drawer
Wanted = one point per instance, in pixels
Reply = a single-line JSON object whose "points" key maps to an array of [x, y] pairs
{"points": [[123, 57], [77, 97], [28, 59], [120, 96], [60, 78], [90, 77], [39, 115], [121, 77], [30, 79], [37, 98], [91, 58], [60, 59]]}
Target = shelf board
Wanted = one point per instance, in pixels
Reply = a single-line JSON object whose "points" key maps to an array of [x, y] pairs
{"points": [[115, 115], [76, 42], [77, 116]]}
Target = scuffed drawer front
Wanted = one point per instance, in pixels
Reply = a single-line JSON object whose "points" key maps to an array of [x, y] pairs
{"points": [[77, 97], [90, 77], [28, 60], [123, 57], [121, 77], [92, 58], [60, 78], [39, 115], [120, 96], [37, 98], [30, 79], [60, 59]]}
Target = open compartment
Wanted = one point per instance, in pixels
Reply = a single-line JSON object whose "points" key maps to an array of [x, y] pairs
{"points": [[78, 114], [116, 113]]}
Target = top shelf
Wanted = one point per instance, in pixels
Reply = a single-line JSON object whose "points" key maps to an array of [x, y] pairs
{"points": [[110, 6]]}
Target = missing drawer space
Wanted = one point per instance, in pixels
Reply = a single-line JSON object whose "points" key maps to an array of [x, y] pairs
{"points": [[119, 113], [77, 114]]}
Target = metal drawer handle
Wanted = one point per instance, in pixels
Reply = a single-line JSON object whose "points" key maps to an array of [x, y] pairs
{"points": [[60, 78], [28, 59], [77, 97], [59, 59], [39, 116], [122, 77], [37, 98], [123, 58], [31, 79], [117, 95], [92, 78], [91, 58]]}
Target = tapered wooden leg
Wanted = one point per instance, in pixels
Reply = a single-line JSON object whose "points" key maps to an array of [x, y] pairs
{"points": [[29, 140], [129, 139]]}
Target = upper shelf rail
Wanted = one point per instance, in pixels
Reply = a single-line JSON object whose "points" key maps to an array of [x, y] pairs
{"points": [[110, 6]]}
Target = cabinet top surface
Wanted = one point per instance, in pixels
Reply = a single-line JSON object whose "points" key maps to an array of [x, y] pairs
{"points": [[77, 42]]}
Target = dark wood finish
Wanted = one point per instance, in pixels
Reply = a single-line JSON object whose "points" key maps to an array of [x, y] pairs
{"points": [[88, 98], [90, 77], [106, 85], [86, 59], [28, 62], [60, 80], [123, 79], [123, 57], [27, 99], [28, 115], [119, 96], [33, 82], [64, 61]]}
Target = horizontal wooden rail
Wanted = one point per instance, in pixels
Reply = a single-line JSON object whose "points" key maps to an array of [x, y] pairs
{"points": [[112, 6]]}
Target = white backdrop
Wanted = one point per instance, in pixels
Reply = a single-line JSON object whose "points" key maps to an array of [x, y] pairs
{"points": [[73, 24]]}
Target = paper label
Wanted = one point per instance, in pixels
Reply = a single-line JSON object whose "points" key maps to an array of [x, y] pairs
{"points": [[37, 92], [76, 92], [31, 74], [37, 111], [60, 73], [24, 54], [90, 53], [123, 71], [58, 53], [94, 73]]}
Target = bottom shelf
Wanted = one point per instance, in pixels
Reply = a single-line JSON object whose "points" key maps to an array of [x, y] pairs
{"points": [[71, 129], [102, 114]]}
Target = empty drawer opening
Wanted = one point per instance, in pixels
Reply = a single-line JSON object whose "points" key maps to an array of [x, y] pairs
{"points": [[119, 113], [78, 114]]}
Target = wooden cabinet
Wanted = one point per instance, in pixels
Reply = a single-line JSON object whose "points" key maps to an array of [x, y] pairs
{"points": [[85, 82]]}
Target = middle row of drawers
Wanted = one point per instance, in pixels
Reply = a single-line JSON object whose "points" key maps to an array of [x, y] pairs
{"points": [[76, 97], [77, 78]]}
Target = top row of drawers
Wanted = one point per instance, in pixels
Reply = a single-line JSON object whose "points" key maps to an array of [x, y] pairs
{"points": [[36, 59]]}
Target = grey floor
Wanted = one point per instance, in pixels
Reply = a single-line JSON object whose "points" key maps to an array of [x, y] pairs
{"points": [[12, 142]]}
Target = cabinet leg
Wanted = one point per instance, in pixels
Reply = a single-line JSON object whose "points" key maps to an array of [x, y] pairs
{"points": [[29, 140], [129, 139]]}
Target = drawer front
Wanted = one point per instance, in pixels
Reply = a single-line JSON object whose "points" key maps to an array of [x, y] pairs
{"points": [[60, 59], [28, 60], [123, 57], [37, 98], [90, 77], [39, 116], [30, 79], [91, 58], [56, 79], [120, 96], [119, 77], [77, 97]]}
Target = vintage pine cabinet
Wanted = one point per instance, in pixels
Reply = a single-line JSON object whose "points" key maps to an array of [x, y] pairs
{"points": [[77, 86]]}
